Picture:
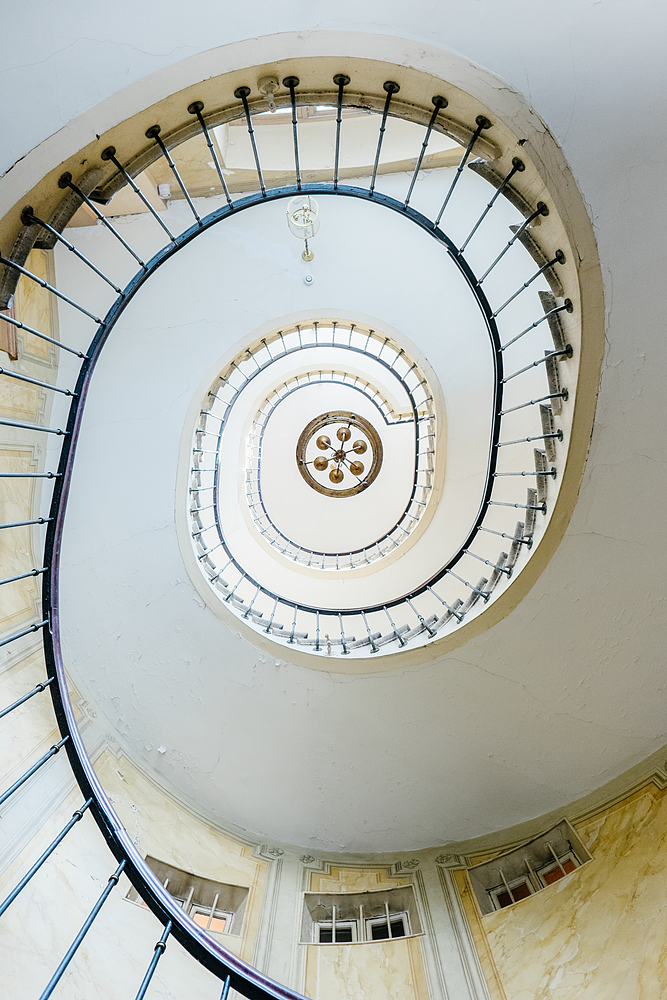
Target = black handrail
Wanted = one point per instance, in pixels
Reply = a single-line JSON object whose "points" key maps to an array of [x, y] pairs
{"points": [[227, 967]]}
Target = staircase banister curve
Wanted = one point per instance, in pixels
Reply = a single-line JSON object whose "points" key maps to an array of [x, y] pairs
{"points": [[222, 963]]}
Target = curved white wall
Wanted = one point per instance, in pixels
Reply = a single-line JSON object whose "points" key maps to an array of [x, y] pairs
{"points": [[568, 685]]}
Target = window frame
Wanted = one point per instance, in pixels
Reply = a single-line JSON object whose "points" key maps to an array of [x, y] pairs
{"points": [[211, 915], [514, 883], [380, 921], [542, 872], [328, 925]]}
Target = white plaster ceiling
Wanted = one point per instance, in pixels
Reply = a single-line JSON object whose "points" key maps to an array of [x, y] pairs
{"points": [[568, 690]]}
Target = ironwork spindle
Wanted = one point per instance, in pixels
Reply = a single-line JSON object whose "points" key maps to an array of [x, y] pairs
{"points": [[43, 857], [87, 924], [28, 218], [482, 123], [440, 103], [196, 108], [390, 88], [65, 181], [242, 94], [49, 288], [110, 154]]}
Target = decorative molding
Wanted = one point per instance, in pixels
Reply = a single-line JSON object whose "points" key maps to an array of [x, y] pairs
{"points": [[471, 967], [433, 968], [266, 929], [267, 853], [399, 866], [452, 861]]}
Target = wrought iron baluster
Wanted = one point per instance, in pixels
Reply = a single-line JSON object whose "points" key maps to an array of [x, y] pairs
{"points": [[540, 210], [523, 506], [475, 590], [342, 635], [28, 218], [518, 166], [110, 154], [35, 767], [394, 629], [565, 353], [25, 631], [439, 102], [159, 951], [22, 524], [291, 82], [488, 562], [36, 690], [559, 258], [42, 336], [154, 133], [242, 93], [49, 288], [29, 475], [369, 633], [34, 427], [87, 924], [503, 534], [341, 81], [66, 181], [482, 123], [540, 472], [196, 108], [444, 604], [564, 394], [36, 381], [43, 857], [538, 437], [390, 88], [566, 307], [421, 618]]}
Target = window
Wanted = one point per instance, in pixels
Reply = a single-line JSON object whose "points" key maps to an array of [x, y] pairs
{"points": [[559, 869], [518, 874], [381, 928], [356, 918], [211, 919], [505, 895], [214, 906], [346, 932]]}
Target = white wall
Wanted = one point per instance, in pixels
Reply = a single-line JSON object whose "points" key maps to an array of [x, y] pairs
{"points": [[595, 74]]}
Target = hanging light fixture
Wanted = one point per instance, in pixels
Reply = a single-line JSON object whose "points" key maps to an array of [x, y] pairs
{"points": [[303, 220]]}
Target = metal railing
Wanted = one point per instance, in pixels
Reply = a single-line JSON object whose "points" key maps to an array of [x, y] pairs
{"points": [[351, 339], [231, 971]]}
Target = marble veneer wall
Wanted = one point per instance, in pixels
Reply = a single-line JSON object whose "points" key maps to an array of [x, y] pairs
{"points": [[20, 450], [601, 931]]}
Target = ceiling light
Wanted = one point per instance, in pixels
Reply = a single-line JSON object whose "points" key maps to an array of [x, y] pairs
{"points": [[303, 220]]}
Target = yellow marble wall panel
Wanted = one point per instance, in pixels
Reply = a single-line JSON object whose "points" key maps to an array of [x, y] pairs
{"points": [[378, 970], [25, 729], [20, 401], [371, 970], [18, 601], [474, 918], [164, 830], [353, 880], [33, 304], [42, 922], [601, 932]]}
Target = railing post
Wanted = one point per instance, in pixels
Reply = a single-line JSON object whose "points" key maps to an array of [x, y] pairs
{"points": [[87, 924]]}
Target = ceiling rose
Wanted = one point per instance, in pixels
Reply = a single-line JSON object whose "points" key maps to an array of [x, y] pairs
{"points": [[338, 455]]}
